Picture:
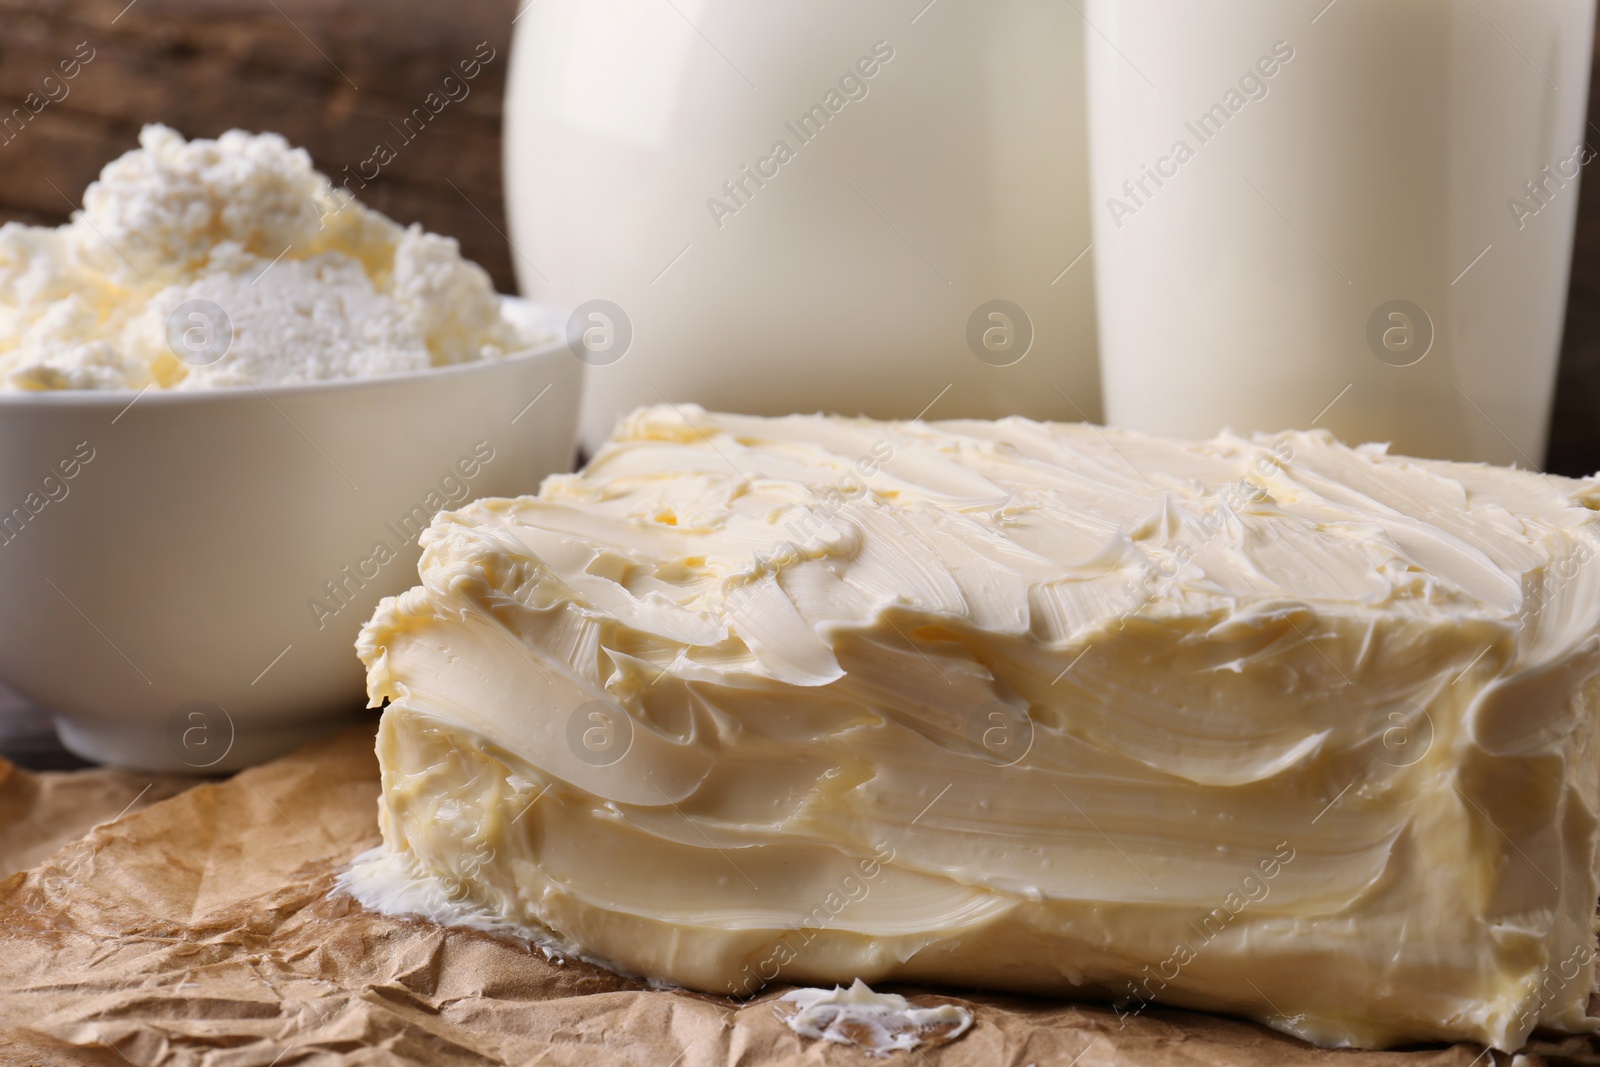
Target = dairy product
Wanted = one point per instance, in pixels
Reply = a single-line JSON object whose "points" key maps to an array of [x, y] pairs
{"points": [[1269, 726], [876, 1023], [834, 234], [241, 246], [1273, 182]]}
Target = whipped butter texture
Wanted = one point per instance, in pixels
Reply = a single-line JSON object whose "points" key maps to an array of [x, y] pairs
{"points": [[876, 1023], [315, 285], [1273, 727]]}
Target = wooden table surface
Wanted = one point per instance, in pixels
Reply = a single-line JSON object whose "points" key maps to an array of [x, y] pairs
{"points": [[27, 738]]}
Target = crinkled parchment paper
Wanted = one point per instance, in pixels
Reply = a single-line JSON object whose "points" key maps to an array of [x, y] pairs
{"points": [[41, 812], [200, 930]]}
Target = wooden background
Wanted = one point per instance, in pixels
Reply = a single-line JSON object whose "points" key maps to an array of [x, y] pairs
{"points": [[1575, 427], [333, 74], [330, 75]]}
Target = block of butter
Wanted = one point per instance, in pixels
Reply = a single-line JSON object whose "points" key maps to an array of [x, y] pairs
{"points": [[1274, 727]]}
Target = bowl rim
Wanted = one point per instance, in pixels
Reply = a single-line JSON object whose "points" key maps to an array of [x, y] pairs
{"points": [[545, 314]]}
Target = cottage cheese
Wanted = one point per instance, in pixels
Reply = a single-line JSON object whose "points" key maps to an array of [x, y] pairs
{"points": [[314, 285]]}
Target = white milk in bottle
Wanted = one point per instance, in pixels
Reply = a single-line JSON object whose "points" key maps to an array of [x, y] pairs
{"points": [[804, 205], [1355, 214]]}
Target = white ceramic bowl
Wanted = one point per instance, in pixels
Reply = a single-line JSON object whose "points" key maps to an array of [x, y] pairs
{"points": [[182, 575]]}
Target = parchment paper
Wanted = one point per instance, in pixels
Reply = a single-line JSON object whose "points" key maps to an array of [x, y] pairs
{"points": [[200, 930], [40, 812]]}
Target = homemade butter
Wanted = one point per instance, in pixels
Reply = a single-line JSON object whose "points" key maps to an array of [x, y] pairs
{"points": [[1278, 727], [876, 1023]]}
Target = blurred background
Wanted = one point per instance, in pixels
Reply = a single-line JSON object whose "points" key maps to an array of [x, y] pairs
{"points": [[292, 66], [334, 76]]}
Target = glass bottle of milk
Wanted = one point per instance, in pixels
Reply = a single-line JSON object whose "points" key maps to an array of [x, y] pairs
{"points": [[1354, 214], [802, 205]]}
